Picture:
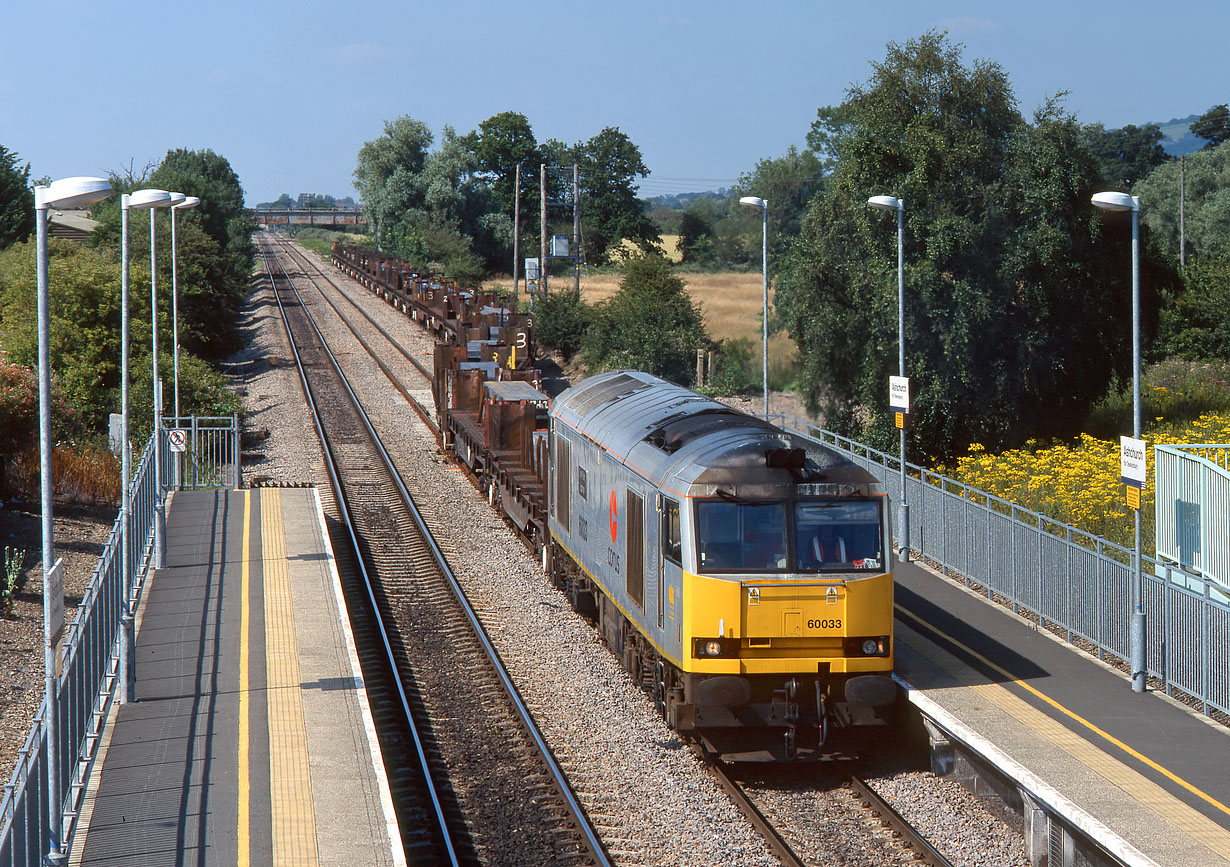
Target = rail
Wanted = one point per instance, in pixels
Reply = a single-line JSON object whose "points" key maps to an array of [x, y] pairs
{"points": [[86, 685], [1070, 581], [577, 811]]}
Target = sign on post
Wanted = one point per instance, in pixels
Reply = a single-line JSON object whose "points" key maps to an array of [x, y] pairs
{"points": [[899, 393], [178, 440], [899, 398], [1132, 468]]}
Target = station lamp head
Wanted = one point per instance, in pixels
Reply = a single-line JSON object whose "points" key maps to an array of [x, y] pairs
{"points": [[69, 194], [188, 202], [885, 203], [143, 200], [1113, 201], [754, 202]]}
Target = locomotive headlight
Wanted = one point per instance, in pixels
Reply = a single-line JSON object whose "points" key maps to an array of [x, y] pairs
{"points": [[870, 647], [713, 648]]}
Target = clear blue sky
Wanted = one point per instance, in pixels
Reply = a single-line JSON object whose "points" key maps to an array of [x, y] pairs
{"points": [[288, 92]]}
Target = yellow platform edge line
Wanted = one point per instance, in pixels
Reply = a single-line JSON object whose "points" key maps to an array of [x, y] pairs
{"points": [[243, 830], [1200, 828], [1075, 717], [292, 810]]}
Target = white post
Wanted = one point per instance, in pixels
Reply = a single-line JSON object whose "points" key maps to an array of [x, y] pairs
{"points": [[127, 664], [159, 505], [54, 812]]}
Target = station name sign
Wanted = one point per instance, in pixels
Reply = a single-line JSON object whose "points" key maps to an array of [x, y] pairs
{"points": [[1132, 461]]}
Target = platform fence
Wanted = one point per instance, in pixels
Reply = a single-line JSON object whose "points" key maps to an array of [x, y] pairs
{"points": [[1074, 583], [87, 678]]}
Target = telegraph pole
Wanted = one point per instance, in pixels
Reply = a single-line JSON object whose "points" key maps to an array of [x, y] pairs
{"points": [[1182, 208], [576, 233], [516, 235], [542, 229]]}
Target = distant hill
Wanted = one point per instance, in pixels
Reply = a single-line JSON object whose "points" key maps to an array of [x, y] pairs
{"points": [[1177, 137], [679, 201]]}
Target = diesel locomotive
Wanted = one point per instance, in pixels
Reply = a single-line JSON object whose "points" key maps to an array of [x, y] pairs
{"points": [[742, 573]]}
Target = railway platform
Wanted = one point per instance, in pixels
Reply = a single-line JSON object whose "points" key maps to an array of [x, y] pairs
{"points": [[1145, 777], [249, 740]]}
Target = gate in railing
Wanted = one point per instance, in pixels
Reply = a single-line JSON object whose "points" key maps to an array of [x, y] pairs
{"points": [[90, 649], [1193, 513], [204, 451], [1069, 580]]}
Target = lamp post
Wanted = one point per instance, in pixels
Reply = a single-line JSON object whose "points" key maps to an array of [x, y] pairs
{"points": [[183, 204], [892, 203], [140, 200], [763, 204], [66, 194], [1119, 202], [159, 501]]}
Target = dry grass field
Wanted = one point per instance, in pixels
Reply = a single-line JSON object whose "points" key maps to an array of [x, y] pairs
{"points": [[732, 304]]}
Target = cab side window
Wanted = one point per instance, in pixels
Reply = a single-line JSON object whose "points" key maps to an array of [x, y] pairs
{"points": [[672, 541]]}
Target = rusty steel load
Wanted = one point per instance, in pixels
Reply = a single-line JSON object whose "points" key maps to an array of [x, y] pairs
{"points": [[742, 574]]}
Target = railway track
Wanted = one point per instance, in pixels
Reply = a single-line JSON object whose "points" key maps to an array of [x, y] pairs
{"points": [[903, 839], [486, 778]]}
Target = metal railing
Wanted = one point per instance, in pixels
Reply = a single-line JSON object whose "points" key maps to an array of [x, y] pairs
{"points": [[210, 454], [90, 653], [1069, 580], [1193, 511]]}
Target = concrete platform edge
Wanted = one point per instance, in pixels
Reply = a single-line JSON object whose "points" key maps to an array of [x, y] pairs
{"points": [[396, 852], [1038, 788]]}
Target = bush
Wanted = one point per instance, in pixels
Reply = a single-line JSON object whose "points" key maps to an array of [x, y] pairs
{"points": [[650, 324], [1193, 323], [1174, 391], [734, 368], [560, 321]]}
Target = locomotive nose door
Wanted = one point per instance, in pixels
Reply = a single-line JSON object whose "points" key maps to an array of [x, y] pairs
{"points": [[670, 568]]}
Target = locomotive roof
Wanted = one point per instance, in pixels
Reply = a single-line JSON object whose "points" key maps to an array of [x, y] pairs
{"points": [[662, 429]]}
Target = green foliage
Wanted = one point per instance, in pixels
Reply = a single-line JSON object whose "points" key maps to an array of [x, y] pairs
{"points": [[1213, 125], [85, 321], [1125, 155], [501, 143], [16, 200], [560, 321], [735, 368], [386, 169], [1193, 323], [13, 559], [1174, 391], [696, 237], [18, 407], [609, 166], [1016, 306], [788, 183], [213, 241], [1206, 175], [650, 324]]}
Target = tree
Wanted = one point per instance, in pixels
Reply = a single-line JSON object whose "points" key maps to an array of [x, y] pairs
{"points": [[789, 183], [695, 237], [386, 169], [1125, 155], [214, 244], [1213, 125], [16, 200], [501, 143], [1206, 176], [650, 324], [610, 211], [1015, 311], [1194, 324]]}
